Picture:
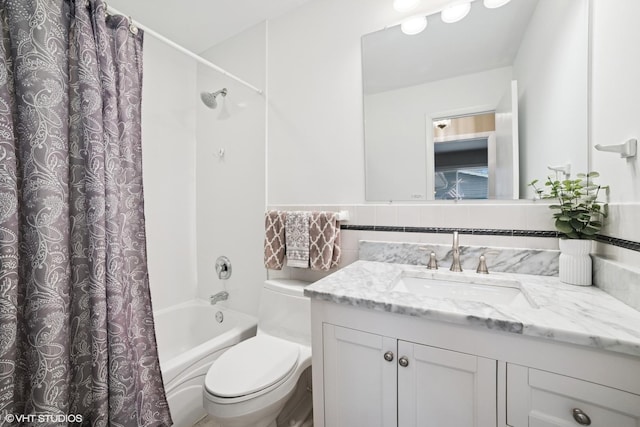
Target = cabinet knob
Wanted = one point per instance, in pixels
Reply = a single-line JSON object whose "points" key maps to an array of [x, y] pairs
{"points": [[581, 418], [403, 361], [388, 356]]}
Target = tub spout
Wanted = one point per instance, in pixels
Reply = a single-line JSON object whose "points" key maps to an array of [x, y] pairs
{"points": [[220, 296]]}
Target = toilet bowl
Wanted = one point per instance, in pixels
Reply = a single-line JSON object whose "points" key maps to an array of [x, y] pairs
{"points": [[250, 383]]}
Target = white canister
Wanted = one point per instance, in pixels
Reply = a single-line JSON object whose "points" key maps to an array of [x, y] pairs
{"points": [[575, 261]]}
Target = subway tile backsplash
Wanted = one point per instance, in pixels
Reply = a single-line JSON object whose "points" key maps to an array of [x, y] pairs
{"points": [[521, 216], [508, 225]]}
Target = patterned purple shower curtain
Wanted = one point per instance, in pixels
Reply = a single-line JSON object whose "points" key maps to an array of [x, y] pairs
{"points": [[76, 326]]}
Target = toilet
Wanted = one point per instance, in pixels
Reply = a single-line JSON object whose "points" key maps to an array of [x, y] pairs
{"points": [[249, 384]]}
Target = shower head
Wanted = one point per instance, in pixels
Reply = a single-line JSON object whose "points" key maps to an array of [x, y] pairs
{"points": [[209, 98]]}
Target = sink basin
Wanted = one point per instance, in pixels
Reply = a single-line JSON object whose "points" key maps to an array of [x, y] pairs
{"points": [[492, 291]]}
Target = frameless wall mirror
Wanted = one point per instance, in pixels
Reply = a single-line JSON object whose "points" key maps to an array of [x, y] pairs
{"points": [[522, 66]]}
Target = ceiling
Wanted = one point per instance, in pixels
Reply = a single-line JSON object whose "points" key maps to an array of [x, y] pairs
{"points": [[201, 24]]}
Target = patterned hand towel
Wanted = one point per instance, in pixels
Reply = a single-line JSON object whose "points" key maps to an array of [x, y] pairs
{"points": [[324, 244], [274, 243], [297, 236]]}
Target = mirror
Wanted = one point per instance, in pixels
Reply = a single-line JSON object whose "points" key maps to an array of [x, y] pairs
{"points": [[525, 63]]}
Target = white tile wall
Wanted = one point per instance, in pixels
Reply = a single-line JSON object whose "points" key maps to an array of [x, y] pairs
{"points": [[409, 216], [230, 191], [387, 215], [497, 216], [430, 216], [364, 215], [453, 216], [623, 221], [521, 216], [169, 115], [350, 240]]}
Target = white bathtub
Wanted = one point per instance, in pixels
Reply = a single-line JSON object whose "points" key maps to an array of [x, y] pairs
{"points": [[189, 340]]}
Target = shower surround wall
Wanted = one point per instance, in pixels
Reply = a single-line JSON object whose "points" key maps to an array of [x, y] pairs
{"points": [[231, 189], [169, 151], [181, 139]]}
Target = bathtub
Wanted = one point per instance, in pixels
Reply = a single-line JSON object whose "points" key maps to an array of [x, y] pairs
{"points": [[189, 339]]}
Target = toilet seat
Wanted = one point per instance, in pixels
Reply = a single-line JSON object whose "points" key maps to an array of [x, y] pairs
{"points": [[251, 368]]}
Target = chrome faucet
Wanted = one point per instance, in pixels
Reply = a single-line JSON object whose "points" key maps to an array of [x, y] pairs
{"points": [[220, 296], [455, 264]]}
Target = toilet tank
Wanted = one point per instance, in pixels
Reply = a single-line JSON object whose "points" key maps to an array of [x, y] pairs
{"points": [[284, 310]]}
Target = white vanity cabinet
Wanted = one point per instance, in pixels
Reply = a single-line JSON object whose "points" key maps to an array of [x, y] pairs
{"points": [[445, 388], [538, 398], [460, 375], [358, 382], [372, 380]]}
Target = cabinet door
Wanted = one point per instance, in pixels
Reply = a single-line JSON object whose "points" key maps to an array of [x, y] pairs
{"points": [[359, 383], [444, 388], [543, 399]]}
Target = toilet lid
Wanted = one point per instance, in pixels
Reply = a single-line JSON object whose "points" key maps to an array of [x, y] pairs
{"points": [[251, 366]]}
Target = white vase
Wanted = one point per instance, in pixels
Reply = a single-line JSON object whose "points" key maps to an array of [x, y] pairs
{"points": [[575, 261]]}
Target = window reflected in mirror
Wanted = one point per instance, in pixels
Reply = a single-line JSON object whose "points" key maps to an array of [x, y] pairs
{"points": [[462, 147]]}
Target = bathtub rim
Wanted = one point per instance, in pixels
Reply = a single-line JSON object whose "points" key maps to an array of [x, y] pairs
{"points": [[244, 324]]}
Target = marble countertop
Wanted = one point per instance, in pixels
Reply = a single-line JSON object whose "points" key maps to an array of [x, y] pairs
{"points": [[572, 314]]}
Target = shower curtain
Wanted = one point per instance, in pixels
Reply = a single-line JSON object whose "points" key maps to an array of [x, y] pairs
{"points": [[77, 339]]}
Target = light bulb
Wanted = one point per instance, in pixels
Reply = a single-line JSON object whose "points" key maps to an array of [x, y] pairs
{"points": [[414, 25], [455, 13], [405, 5], [494, 4]]}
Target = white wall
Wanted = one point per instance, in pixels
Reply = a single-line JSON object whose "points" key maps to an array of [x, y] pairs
{"points": [[231, 190], [315, 99], [616, 116], [396, 128], [616, 94], [169, 150], [551, 69]]}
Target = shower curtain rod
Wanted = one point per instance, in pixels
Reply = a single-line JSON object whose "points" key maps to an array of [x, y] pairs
{"points": [[187, 52]]}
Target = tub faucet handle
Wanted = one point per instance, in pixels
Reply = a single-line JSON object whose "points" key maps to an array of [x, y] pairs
{"points": [[223, 268]]}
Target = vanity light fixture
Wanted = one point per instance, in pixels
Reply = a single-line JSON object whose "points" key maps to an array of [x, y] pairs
{"points": [[414, 25], [494, 4], [405, 5], [455, 13]]}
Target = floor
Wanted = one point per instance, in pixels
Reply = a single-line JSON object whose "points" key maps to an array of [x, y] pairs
{"points": [[205, 422]]}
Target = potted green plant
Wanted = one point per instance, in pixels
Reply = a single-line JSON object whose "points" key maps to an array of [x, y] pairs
{"points": [[579, 216]]}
